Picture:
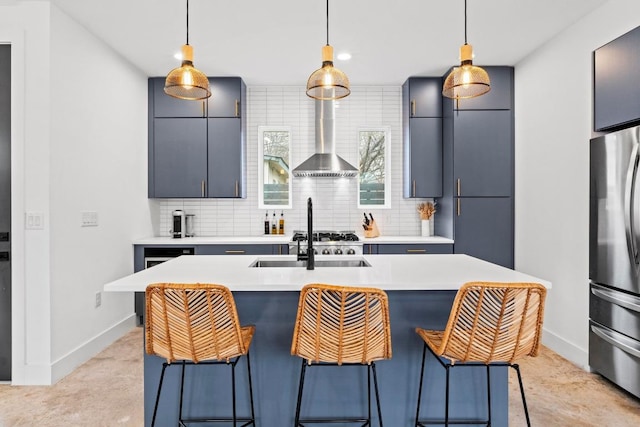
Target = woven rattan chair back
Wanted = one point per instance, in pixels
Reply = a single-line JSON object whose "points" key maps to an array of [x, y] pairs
{"points": [[337, 324], [494, 322], [193, 322]]}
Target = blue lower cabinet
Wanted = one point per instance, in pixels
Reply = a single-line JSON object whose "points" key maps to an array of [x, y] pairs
{"points": [[236, 249], [368, 249], [415, 249]]}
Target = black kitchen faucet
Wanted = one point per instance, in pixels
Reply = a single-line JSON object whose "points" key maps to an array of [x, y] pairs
{"points": [[310, 256]]}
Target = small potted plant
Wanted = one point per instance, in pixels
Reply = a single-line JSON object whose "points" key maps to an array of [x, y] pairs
{"points": [[426, 210]]}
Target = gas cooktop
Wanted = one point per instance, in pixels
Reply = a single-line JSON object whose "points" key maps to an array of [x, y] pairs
{"points": [[326, 236], [327, 242]]}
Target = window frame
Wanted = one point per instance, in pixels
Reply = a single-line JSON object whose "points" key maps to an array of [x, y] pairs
{"points": [[261, 203], [387, 166]]}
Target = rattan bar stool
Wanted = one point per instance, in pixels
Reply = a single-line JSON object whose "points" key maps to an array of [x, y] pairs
{"points": [[339, 325], [491, 324], [197, 324]]}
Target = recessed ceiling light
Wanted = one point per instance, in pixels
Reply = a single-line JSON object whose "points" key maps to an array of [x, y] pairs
{"points": [[178, 56], [344, 56]]}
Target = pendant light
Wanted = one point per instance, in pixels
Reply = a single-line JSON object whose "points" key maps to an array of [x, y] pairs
{"points": [[328, 83], [186, 81], [467, 80]]}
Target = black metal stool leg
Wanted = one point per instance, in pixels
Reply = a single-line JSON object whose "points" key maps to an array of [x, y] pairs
{"points": [[488, 396], [253, 415], [300, 386], [424, 354], [375, 385], [446, 399], [155, 407], [368, 423], [181, 392], [233, 393], [524, 399]]}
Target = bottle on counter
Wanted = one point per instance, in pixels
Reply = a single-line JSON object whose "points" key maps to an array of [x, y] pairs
{"points": [[266, 223], [274, 224], [281, 228]]}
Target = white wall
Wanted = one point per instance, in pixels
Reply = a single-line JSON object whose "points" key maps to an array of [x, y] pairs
{"points": [[553, 126], [78, 143], [98, 163], [335, 199]]}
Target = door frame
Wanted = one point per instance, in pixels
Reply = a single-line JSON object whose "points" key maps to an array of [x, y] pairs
{"points": [[15, 37]]}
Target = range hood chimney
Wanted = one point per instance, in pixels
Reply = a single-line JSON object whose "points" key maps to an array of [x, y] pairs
{"points": [[325, 162]]}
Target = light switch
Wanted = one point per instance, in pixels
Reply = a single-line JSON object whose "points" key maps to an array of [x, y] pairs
{"points": [[34, 220], [89, 219]]}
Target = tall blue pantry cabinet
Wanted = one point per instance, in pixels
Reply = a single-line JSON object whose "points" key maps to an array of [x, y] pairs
{"points": [[476, 202]]}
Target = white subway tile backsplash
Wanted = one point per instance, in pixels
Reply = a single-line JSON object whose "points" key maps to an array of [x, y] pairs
{"points": [[334, 199]]}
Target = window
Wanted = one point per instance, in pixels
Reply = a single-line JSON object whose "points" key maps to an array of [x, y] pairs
{"points": [[374, 178], [274, 175]]}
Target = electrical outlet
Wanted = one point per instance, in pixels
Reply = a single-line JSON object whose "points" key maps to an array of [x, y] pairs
{"points": [[89, 219], [98, 299]]}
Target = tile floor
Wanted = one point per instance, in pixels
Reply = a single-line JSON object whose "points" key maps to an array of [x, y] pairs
{"points": [[107, 391]]}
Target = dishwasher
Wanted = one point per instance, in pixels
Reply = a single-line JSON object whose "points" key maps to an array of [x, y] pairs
{"points": [[154, 256]]}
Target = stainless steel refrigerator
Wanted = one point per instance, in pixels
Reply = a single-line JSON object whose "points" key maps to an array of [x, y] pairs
{"points": [[614, 258]]}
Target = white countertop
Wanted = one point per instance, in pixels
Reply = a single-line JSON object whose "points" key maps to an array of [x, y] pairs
{"points": [[389, 272], [389, 240], [277, 239]]}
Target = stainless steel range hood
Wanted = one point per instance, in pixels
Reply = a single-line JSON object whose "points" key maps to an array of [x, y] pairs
{"points": [[325, 162]]}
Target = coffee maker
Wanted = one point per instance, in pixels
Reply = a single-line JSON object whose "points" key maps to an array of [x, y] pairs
{"points": [[178, 230]]}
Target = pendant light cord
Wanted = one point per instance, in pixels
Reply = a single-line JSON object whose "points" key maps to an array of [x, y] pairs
{"points": [[188, 21], [328, 22], [465, 21]]}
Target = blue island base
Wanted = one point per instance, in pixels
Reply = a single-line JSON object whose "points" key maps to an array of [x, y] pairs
{"points": [[330, 391]]}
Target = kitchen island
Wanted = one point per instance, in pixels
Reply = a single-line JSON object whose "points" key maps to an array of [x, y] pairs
{"points": [[421, 290]]}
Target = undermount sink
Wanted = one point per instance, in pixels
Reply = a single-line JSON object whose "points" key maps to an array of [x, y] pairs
{"points": [[352, 262]]}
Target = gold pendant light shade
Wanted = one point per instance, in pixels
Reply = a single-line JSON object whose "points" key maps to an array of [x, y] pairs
{"points": [[467, 80], [187, 82], [328, 82]]}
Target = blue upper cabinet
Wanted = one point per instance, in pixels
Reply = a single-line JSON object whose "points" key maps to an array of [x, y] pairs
{"points": [[226, 96], [483, 153], [163, 105], [500, 97], [616, 92], [179, 157], [197, 151], [424, 97], [422, 137]]}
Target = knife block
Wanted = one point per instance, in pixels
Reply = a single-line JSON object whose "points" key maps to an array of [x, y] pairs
{"points": [[372, 231]]}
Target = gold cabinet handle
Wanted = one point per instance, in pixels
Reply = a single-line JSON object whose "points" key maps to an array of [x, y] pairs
{"points": [[203, 187], [458, 185], [414, 188], [237, 188], [458, 206], [204, 113], [237, 108], [413, 107], [234, 252], [279, 249], [416, 251]]}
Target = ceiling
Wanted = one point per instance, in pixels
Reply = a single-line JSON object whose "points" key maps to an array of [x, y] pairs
{"points": [[278, 42]]}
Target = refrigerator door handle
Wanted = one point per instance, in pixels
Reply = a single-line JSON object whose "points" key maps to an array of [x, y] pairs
{"points": [[628, 205], [618, 340], [618, 298]]}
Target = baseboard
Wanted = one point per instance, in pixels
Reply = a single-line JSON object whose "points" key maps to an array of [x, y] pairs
{"points": [[568, 350], [66, 364]]}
